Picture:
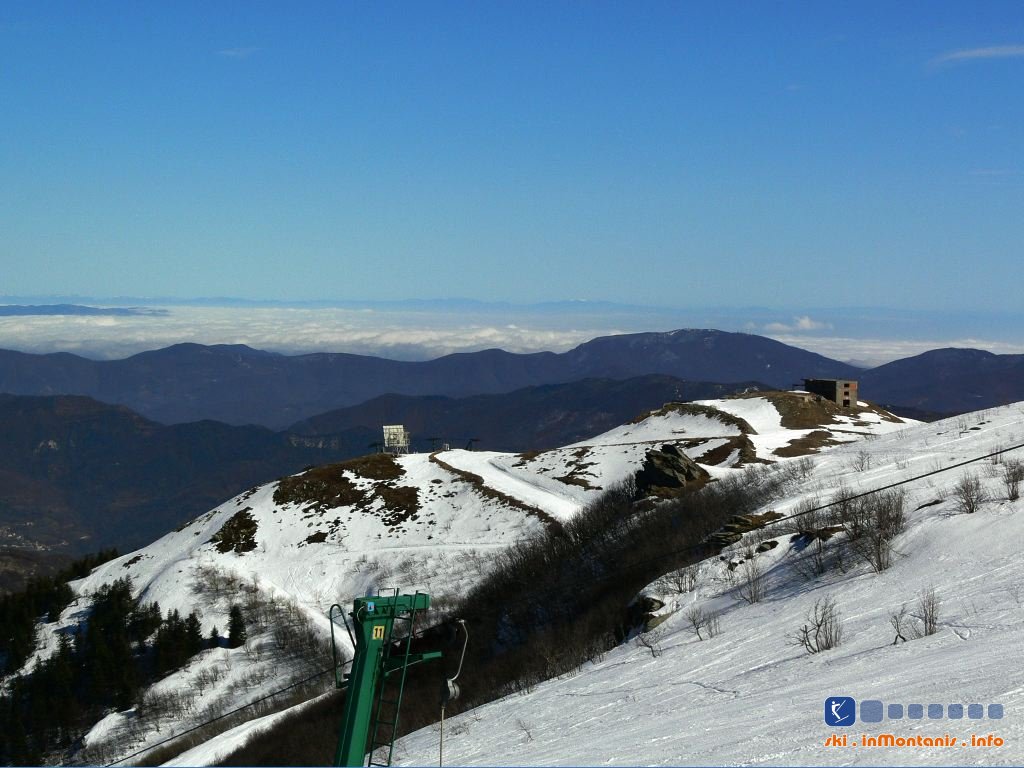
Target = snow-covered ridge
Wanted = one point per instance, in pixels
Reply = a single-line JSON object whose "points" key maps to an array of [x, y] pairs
{"points": [[750, 694], [423, 522]]}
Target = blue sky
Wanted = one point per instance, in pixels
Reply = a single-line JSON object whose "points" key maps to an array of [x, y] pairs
{"points": [[782, 155]]}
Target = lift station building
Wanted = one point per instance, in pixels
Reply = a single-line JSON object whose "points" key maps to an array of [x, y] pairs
{"points": [[840, 391]]}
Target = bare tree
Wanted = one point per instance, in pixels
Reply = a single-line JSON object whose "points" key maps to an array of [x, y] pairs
{"points": [[898, 620], [872, 523], [752, 582], [928, 611], [823, 628], [703, 621], [969, 494], [650, 641], [1013, 475], [681, 580], [862, 461]]}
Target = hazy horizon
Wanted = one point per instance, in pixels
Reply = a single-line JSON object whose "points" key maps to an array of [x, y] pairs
{"points": [[418, 329]]}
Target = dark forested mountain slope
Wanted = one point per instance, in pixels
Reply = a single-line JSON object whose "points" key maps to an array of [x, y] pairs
{"points": [[78, 474], [533, 418], [948, 381], [239, 385]]}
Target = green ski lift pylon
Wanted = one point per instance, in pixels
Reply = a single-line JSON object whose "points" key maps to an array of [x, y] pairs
{"points": [[450, 690], [377, 680]]}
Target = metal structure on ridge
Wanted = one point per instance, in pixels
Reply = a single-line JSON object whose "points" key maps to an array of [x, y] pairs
{"points": [[396, 439], [376, 682]]}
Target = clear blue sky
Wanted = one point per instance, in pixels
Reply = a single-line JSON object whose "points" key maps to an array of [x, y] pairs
{"points": [[751, 153]]}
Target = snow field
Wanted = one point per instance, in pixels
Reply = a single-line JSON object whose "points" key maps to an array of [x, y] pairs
{"points": [[749, 695], [306, 560]]}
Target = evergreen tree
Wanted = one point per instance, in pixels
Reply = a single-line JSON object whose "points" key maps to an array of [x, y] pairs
{"points": [[170, 645], [236, 627], [193, 635], [215, 638]]}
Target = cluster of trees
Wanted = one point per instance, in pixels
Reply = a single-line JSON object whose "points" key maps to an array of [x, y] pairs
{"points": [[42, 596], [102, 664]]}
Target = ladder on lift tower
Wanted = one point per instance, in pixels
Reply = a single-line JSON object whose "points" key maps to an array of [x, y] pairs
{"points": [[384, 727], [376, 683]]}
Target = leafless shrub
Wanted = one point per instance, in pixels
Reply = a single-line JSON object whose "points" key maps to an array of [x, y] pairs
{"points": [[922, 622], [872, 523], [730, 573], [805, 466], [526, 729], [823, 628], [650, 641], [703, 621], [928, 611], [1013, 475], [814, 562], [862, 461], [898, 620], [752, 582], [969, 494], [680, 581], [806, 517]]}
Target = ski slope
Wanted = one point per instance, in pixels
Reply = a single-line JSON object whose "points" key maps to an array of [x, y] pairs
{"points": [[749, 696], [459, 508]]}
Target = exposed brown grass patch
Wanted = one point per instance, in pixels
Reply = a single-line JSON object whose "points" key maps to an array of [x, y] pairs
{"points": [[329, 486], [577, 468], [808, 444], [527, 456], [721, 454], [581, 482], [375, 466], [320, 488], [238, 534], [807, 411], [400, 503]]}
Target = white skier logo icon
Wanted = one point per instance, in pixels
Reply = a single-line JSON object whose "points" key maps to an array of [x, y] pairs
{"points": [[837, 705]]}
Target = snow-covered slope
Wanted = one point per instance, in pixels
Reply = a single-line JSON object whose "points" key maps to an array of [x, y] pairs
{"points": [[294, 547], [750, 695]]}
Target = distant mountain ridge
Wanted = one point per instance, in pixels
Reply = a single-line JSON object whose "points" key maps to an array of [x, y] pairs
{"points": [[236, 384], [948, 380], [239, 385], [78, 475], [528, 419]]}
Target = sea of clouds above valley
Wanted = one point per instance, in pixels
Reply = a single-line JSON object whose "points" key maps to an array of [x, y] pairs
{"points": [[424, 334]]}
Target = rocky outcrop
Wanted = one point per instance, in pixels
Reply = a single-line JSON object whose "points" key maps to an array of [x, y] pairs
{"points": [[737, 525], [667, 470], [642, 616]]}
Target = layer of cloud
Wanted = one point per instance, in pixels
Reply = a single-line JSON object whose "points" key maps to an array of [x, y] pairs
{"points": [[420, 335], [872, 352], [803, 323], [989, 52], [398, 335]]}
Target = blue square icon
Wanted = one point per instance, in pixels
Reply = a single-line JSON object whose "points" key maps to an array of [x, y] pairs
{"points": [[871, 711], [840, 711]]}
